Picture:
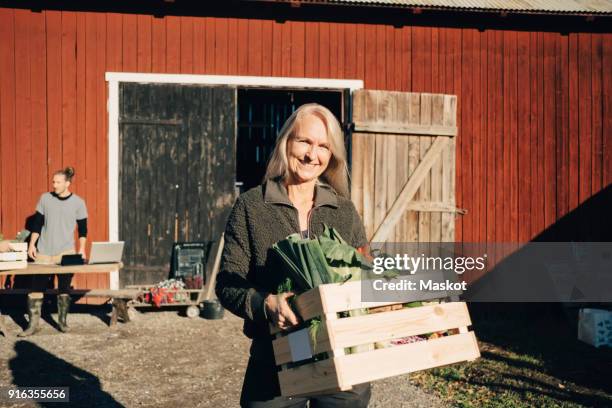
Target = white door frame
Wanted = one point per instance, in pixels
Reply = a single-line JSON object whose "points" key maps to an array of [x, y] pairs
{"points": [[114, 78]]}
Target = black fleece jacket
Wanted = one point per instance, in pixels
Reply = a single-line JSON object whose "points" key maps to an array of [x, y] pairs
{"points": [[261, 217]]}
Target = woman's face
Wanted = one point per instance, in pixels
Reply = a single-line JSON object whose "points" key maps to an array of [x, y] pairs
{"points": [[308, 150]]}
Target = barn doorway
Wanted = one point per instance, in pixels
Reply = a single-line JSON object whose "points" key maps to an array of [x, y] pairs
{"points": [[261, 114], [177, 149], [185, 152]]}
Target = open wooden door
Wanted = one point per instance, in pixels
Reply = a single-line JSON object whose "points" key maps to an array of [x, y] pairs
{"points": [[403, 165], [177, 171]]}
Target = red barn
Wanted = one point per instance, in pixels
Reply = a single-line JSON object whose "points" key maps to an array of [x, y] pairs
{"points": [[166, 109]]}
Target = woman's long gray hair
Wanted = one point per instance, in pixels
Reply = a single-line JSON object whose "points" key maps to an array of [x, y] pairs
{"points": [[336, 173]]}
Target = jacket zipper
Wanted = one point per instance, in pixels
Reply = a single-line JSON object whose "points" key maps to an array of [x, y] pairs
{"points": [[308, 219]]}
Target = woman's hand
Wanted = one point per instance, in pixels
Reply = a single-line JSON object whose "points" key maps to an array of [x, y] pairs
{"points": [[32, 252], [279, 311], [4, 246]]}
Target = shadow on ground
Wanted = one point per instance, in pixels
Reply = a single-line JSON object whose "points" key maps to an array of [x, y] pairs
{"points": [[35, 367]]}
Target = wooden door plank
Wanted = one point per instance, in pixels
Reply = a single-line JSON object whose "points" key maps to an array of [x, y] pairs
{"points": [[409, 190], [401, 153], [437, 118], [425, 187], [414, 115], [358, 153], [406, 129], [447, 233]]}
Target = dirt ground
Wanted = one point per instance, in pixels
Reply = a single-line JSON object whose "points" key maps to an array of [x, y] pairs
{"points": [[160, 359]]}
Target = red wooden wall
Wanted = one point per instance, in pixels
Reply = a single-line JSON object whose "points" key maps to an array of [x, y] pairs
{"points": [[535, 108]]}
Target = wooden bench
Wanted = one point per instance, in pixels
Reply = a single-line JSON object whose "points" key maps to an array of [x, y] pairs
{"points": [[119, 299]]}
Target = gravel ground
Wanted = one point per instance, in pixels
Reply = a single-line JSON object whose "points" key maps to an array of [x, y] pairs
{"points": [[160, 359]]}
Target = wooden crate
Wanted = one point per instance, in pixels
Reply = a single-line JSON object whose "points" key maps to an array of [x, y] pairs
{"points": [[16, 259], [341, 371]]}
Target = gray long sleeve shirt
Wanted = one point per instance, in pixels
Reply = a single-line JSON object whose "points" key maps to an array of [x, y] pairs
{"points": [[60, 219]]}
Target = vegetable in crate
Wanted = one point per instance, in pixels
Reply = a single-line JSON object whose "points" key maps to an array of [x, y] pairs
{"points": [[311, 262]]}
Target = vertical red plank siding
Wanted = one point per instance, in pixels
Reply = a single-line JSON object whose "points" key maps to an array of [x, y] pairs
{"points": [[144, 43], [533, 130], [102, 64], [596, 103], [173, 46], [341, 51], [158, 44], [277, 49], [491, 139], [562, 112], [538, 211], [549, 130], [210, 27], [584, 116], [79, 186], [233, 46], [524, 148], [23, 118], [333, 51], [253, 49], [7, 122], [573, 122], [482, 170], [38, 62], [221, 48], [360, 44], [606, 63], [455, 90], [243, 38], [418, 59], [266, 47], [324, 40], [186, 47], [474, 150], [311, 62], [465, 139]]}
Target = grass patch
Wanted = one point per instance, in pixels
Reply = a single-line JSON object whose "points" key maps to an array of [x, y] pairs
{"points": [[525, 364]]}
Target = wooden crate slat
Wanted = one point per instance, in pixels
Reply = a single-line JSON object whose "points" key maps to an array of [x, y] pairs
{"points": [[412, 321], [371, 328], [13, 256], [363, 367], [347, 296], [12, 265], [310, 378], [18, 246], [282, 348]]}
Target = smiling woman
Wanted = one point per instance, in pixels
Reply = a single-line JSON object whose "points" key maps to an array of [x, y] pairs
{"points": [[304, 189]]}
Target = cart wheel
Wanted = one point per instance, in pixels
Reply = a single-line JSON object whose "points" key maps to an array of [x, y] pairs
{"points": [[193, 312], [132, 313]]}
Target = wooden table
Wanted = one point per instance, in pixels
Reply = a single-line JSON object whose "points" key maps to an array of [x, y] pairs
{"points": [[44, 269], [41, 269]]}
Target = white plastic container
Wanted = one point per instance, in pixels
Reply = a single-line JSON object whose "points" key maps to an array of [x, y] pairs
{"points": [[595, 327]]}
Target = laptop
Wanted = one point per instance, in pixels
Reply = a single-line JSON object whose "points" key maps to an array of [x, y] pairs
{"points": [[106, 252]]}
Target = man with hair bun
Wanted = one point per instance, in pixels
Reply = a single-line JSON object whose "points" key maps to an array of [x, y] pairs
{"points": [[57, 214]]}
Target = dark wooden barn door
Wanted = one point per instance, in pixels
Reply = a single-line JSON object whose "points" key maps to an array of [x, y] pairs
{"points": [[176, 171]]}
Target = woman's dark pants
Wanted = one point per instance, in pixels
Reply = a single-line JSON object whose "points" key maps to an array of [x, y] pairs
{"points": [[260, 389]]}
